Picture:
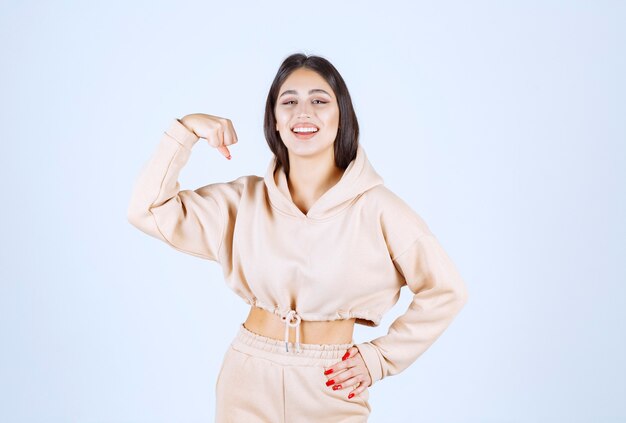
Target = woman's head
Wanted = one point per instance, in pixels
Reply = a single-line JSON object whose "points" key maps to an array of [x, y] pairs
{"points": [[309, 89]]}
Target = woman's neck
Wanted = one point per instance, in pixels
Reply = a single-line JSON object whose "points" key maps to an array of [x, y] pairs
{"points": [[310, 177]]}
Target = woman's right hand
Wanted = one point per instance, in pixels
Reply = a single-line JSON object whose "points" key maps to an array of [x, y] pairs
{"points": [[218, 131]]}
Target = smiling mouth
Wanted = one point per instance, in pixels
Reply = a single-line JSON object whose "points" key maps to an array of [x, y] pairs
{"points": [[304, 130], [305, 135]]}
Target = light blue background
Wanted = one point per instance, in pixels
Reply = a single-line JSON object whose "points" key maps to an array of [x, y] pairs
{"points": [[501, 123]]}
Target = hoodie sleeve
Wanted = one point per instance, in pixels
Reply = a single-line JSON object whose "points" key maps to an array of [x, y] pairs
{"points": [[191, 221], [439, 293]]}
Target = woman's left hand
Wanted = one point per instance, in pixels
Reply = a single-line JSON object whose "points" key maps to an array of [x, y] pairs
{"points": [[353, 370]]}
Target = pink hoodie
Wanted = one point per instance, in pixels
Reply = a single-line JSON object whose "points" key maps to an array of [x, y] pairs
{"points": [[348, 257]]}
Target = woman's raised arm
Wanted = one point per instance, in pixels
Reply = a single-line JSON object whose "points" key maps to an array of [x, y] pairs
{"points": [[191, 221]]}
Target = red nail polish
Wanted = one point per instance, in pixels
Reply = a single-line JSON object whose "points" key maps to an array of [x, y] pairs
{"points": [[346, 355], [351, 395], [329, 371], [330, 382], [336, 387]]}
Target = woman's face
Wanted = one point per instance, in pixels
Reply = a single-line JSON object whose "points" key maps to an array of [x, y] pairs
{"points": [[306, 100]]}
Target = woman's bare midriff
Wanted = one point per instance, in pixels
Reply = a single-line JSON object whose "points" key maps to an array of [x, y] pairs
{"points": [[265, 323]]}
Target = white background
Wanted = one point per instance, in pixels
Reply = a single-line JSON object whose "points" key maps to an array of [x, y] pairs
{"points": [[501, 123]]}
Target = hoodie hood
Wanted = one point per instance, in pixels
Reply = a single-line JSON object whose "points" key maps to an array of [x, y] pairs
{"points": [[358, 177]]}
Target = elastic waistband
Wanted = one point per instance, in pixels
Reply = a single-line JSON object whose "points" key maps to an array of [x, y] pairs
{"points": [[309, 354]]}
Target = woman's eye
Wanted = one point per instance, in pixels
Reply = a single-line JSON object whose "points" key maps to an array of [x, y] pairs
{"points": [[293, 101]]}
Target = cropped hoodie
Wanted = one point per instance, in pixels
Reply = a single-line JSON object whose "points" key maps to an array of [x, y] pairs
{"points": [[347, 257]]}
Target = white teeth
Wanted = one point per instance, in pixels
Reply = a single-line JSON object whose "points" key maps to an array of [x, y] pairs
{"points": [[304, 129]]}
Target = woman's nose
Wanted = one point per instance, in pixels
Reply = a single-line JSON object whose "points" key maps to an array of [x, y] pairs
{"points": [[303, 110]]}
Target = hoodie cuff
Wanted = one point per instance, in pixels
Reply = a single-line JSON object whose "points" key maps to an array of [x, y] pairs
{"points": [[372, 362], [181, 133]]}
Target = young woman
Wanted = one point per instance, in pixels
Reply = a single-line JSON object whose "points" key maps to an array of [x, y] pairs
{"points": [[315, 246]]}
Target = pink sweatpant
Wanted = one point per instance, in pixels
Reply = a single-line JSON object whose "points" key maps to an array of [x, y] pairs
{"points": [[260, 381]]}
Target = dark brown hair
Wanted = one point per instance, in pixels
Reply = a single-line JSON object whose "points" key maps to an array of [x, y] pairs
{"points": [[347, 140]]}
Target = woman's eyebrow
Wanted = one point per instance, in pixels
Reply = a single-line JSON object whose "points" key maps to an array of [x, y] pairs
{"points": [[314, 90]]}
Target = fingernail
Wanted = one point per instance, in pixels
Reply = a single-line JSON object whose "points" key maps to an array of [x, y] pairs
{"points": [[336, 387], [228, 157], [346, 355], [330, 382], [351, 395], [329, 371]]}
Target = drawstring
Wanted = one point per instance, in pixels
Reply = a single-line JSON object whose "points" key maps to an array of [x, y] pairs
{"points": [[287, 318]]}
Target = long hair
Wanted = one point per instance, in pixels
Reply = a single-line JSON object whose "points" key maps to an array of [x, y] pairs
{"points": [[347, 140]]}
